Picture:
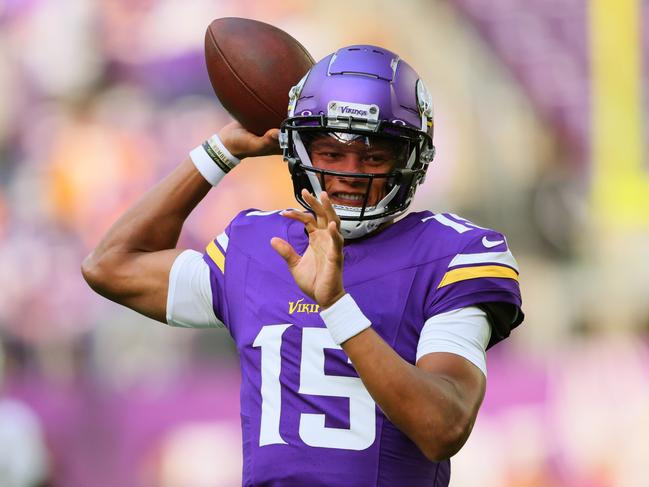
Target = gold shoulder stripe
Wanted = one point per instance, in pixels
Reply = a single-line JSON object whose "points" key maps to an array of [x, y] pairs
{"points": [[216, 255], [464, 273]]}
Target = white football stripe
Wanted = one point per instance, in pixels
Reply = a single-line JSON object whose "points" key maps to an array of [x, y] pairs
{"points": [[223, 241], [485, 258]]}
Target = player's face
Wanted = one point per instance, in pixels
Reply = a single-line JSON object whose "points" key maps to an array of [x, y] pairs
{"points": [[365, 155]]}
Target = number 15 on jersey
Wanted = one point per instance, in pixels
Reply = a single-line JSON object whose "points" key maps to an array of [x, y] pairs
{"points": [[313, 381]]}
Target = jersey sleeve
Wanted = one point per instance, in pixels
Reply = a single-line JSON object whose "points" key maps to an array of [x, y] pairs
{"points": [[215, 256], [484, 273], [465, 332], [189, 298]]}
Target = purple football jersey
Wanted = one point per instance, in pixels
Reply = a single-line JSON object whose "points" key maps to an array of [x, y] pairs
{"points": [[306, 417]]}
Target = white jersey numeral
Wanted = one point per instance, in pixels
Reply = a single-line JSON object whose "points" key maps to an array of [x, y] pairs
{"points": [[313, 381], [465, 226], [270, 341], [362, 421]]}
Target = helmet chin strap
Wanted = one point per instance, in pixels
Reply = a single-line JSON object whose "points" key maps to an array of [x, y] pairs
{"points": [[353, 229]]}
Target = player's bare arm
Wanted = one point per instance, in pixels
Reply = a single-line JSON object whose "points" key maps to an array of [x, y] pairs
{"points": [[436, 402], [132, 261]]}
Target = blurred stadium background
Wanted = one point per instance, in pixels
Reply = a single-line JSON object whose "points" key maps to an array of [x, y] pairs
{"points": [[541, 129]]}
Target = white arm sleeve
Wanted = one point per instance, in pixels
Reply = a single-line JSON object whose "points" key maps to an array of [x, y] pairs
{"points": [[463, 331], [189, 299]]}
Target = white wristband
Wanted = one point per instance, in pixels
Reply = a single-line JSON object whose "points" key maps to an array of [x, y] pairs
{"points": [[344, 319], [213, 160]]}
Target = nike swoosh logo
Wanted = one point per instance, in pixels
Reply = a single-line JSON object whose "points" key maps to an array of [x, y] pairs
{"points": [[489, 244]]}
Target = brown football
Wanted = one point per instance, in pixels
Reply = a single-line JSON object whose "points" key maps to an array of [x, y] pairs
{"points": [[252, 66]]}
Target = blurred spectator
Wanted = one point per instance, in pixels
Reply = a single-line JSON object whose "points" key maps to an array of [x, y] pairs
{"points": [[23, 454]]}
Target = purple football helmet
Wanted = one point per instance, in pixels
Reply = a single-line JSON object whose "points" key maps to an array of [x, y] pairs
{"points": [[363, 93]]}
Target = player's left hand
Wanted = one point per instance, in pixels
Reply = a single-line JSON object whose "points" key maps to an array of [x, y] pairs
{"points": [[318, 273]]}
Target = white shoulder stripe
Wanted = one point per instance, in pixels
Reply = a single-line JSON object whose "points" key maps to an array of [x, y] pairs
{"points": [[223, 241], [486, 258], [447, 222]]}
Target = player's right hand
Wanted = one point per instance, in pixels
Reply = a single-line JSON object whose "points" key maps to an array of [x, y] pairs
{"points": [[242, 143]]}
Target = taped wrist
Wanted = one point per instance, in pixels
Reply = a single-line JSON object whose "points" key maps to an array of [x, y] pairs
{"points": [[344, 319], [213, 160]]}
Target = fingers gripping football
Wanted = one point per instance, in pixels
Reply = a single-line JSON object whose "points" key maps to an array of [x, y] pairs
{"points": [[318, 273]]}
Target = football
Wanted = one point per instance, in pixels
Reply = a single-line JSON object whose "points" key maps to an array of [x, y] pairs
{"points": [[252, 66]]}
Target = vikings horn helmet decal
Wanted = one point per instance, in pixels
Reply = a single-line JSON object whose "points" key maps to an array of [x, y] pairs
{"points": [[361, 93]]}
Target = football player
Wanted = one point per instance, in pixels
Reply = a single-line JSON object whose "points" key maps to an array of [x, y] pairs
{"points": [[361, 329]]}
